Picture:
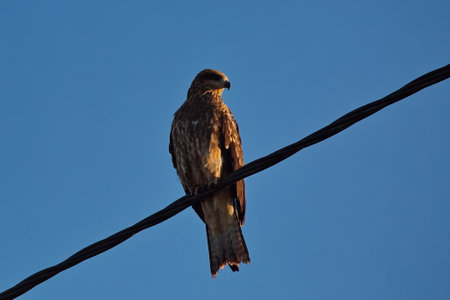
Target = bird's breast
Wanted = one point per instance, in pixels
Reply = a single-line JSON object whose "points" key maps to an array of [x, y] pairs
{"points": [[198, 150]]}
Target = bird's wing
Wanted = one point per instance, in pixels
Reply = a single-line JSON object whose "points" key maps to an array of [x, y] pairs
{"points": [[233, 159], [197, 207]]}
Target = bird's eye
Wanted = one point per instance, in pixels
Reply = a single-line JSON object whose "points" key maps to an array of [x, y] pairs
{"points": [[211, 76]]}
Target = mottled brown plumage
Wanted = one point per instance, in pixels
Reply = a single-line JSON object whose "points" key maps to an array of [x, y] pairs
{"points": [[206, 146]]}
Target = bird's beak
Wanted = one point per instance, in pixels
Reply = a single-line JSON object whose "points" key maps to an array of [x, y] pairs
{"points": [[227, 84]]}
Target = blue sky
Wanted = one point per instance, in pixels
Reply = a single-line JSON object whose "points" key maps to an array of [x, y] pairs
{"points": [[87, 94]]}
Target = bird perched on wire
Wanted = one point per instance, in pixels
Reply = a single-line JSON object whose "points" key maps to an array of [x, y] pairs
{"points": [[205, 145]]}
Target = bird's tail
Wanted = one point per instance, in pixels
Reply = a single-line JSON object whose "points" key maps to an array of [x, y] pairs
{"points": [[227, 247]]}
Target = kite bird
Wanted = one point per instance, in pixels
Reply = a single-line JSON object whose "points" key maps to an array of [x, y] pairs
{"points": [[206, 146]]}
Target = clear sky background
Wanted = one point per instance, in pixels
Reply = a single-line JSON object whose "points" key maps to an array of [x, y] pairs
{"points": [[87, 94]]}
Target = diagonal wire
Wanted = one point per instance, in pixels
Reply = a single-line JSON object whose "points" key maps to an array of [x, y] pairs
{"points": [[249, 169]]}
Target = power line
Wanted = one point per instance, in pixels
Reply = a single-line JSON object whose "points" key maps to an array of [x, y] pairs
{"points": [[249, 169]]}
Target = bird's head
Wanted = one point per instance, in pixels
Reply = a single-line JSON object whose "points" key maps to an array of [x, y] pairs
{"points": [[209, 80]]}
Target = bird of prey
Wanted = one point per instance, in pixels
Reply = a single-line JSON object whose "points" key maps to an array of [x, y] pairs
{"points": [[205, 145]]}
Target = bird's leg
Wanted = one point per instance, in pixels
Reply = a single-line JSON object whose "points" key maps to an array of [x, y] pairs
{"points": [[203, 187], [213, 182], [197, 190]]}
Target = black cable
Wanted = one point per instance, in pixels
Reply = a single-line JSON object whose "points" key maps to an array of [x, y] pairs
{"points": [[249, 169]]}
